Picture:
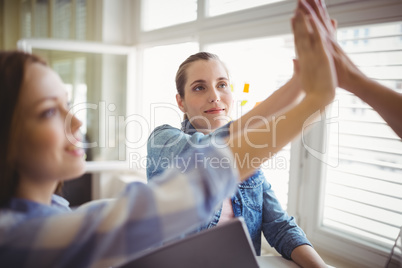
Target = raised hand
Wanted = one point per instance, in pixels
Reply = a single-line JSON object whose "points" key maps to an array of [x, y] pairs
{"points": [[387, 102], [347, 72], [319, 10], [317, 70]]}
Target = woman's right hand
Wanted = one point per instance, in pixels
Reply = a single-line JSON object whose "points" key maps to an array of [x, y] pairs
{"points": [[317, 69], [347, 72]]}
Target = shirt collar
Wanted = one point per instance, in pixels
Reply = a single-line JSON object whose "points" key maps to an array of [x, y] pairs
{"points": [[187, 127], [58, 204]]}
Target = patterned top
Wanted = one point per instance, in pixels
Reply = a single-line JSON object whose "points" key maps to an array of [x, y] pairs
{"points": [[110, 233]]}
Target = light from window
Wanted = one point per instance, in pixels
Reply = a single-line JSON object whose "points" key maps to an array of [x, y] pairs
{"points": [[161, 13], [26, 19], [159, 88], [81, 17], [62, 19], [363, 194], [260, 66], [219, 7], [99, 103], [41, 19], [64, 22]]}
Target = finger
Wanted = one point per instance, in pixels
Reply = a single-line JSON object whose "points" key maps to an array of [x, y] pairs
{"points": [[295, 34], [334, 23], [325, 19], [317, 10], [322, 3], [318, 33], [307, 9], [301, 33], [296, 66], [314, 5]]}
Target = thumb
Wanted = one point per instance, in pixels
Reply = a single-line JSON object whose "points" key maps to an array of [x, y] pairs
{"points": [[334, 23], [296, 66]]}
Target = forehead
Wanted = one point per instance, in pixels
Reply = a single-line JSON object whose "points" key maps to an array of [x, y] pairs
{"points": [[40, 82], [206, 69]]}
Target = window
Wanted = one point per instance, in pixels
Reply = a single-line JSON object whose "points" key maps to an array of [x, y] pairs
{"points": [[219, 7], [26, 19], [248, 42], [364, 159], [161, 13], [96, 78], [41, 19], [257, 67], [159, 95], [63, 19], [363, 190]]}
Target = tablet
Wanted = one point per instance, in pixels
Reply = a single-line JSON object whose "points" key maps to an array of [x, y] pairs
{"points": [[227, 245]]}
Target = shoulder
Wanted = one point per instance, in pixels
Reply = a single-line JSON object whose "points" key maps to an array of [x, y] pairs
{"points": [[163, 133], [254, 181], [163, 129]]}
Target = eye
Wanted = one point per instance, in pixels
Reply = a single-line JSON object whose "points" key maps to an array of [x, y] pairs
{"points": [[222, 85], [198, 88], [48, 113]]}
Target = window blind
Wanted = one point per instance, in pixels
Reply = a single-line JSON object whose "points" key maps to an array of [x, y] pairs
{"points": [[64, 19], [363, 193]]}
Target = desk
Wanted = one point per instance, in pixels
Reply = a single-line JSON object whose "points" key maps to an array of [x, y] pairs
{"points": [[275, 262]]}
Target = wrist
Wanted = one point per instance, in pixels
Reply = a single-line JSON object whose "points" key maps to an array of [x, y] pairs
{"points": [[359, 84], [355, 82], [319, 100], [293, 89]]}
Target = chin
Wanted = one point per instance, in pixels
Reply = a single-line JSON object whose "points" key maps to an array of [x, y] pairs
{"points": [[76, 171], [220, 123]]}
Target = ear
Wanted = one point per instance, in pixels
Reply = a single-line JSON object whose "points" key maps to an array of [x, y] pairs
{"points": [[180, 103]]}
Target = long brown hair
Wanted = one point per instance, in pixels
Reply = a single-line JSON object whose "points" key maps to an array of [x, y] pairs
{"points": [[181, 75], [12, 69]]}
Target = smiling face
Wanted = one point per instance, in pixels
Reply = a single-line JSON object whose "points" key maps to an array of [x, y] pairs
{"points": [[46, 151], [207, 100]]}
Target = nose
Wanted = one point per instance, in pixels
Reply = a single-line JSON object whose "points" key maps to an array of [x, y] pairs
{"points": [[214, 95], [75, 124], [72, 123]]}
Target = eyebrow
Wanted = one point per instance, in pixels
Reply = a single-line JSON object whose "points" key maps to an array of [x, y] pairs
{"points": [[38, 102], [51, 98], [203, 81]]}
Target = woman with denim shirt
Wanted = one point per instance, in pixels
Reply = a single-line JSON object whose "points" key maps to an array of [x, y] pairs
{"points": [[205, 98]]}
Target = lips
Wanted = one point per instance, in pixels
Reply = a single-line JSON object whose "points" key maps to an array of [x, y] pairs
{"points": [[215, 111], [74, 150]]}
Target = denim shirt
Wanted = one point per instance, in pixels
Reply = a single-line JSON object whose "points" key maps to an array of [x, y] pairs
{"points": [[254, 200]]}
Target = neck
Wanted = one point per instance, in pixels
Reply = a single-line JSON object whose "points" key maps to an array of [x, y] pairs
{"points": [[35, 190], [204, 131]]}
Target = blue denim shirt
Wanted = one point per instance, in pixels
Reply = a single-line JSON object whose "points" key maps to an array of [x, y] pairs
{"points": [[254, 200]]}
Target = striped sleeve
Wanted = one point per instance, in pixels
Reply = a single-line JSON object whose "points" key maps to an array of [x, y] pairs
{"points": [[109, 233]]}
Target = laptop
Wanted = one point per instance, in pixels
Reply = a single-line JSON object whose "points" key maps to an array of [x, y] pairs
{"points": [[227, 245]]}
